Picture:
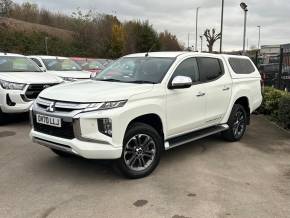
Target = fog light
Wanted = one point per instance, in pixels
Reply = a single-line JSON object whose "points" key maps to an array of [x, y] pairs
{"points": [[105, 126]]}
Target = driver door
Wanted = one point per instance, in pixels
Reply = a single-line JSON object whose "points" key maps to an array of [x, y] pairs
{"points": [[186, 107]]}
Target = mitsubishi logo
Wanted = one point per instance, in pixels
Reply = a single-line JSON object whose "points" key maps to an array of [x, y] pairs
{"points": [[51, 107]]}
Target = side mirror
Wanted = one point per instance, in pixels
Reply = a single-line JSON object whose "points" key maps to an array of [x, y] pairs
{"points": [[181, 82]]}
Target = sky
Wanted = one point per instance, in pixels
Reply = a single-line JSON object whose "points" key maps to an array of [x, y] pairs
{"points": [[178, 17]]}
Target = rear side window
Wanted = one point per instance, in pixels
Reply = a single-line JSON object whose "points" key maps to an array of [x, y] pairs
{"points": [[210, 69], [188, 68], [241, 66]]}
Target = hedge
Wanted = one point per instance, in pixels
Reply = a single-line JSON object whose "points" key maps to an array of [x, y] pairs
{"points": [[276, 104]]}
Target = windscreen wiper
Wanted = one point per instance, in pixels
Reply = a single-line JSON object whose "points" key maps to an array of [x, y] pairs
{"points": [[142, 82], [109, 80]]}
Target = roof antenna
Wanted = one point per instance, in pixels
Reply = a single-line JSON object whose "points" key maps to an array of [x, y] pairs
{"points": [[147, 54]]}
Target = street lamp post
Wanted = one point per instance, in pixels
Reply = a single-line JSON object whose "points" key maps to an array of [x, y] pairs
{"points": [[196, 24], [259, 39], [222, 26], [46, 47], [244, 6], [201, 39]]}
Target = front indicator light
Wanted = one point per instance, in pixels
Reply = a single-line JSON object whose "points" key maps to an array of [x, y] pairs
{"points": [[105, 126]]}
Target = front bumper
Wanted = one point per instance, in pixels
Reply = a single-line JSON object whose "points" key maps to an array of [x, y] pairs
{"points": [[79, 133], [89, 150], [20, 104]]}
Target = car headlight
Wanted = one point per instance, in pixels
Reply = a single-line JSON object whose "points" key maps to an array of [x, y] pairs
{"points": [[105, 105], [11, 85]]}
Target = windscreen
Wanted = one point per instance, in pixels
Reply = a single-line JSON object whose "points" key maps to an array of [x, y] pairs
{"points": [[17, 64], [61, 65], [137, 70]]}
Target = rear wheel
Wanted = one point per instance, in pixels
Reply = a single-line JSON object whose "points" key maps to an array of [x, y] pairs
{"points": [[237, 123], [141, 151], [62, 153]]}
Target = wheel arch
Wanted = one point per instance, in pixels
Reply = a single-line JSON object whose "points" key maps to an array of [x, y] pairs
{"points": [[152, 119], [244, 101]]}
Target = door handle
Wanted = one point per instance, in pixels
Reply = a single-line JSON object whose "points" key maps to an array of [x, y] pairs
{"points": [[200, 94], [226, 89]]}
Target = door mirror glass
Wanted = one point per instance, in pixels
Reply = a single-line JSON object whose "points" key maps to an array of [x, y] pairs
{"points": [[181, 82]]}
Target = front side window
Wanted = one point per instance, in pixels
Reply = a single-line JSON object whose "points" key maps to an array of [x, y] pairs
{"points": [[137, 70], [210, 69], [17, 64], [241, 65], [61, 65], [189, 69]]}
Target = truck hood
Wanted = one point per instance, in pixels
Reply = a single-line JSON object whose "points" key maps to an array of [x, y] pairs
{"points": [[71, 74], [29, 77], [94, 91]]}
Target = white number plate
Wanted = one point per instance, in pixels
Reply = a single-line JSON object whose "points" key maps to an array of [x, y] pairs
{"points": [[50, 121]]}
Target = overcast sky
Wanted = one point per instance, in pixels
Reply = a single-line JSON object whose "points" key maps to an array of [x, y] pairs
{"points": [[179, 17]]}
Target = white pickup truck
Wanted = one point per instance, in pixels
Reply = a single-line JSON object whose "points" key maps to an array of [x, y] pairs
{"points": [[146, 103], [62, 67], [21, 81]]}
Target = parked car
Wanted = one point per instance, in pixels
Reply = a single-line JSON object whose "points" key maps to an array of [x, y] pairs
{"points": [[21, 81], [143, 104], [268, 73], [89, 64], [105, 62], [62, 67]]}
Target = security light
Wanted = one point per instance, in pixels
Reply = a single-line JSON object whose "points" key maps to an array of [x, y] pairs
{"points": [[244, 6]]}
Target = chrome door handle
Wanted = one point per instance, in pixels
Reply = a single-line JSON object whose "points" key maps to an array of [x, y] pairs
{"points": [[226, 89], [200, 94]]}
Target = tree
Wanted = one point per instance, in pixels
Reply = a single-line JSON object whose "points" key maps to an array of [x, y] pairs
{"points": [[117, 43], [211, 38], [5, 7], [169, 42]]}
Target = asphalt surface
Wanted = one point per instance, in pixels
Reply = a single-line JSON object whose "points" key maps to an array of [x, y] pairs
{"points": [[207, 178]]}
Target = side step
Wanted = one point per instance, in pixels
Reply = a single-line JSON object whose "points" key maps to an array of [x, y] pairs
{"points": [[193, 136]]}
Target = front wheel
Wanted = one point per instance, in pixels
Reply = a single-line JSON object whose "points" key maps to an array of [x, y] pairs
{"points": [[141, 151], [237, 123], [2, 118]]}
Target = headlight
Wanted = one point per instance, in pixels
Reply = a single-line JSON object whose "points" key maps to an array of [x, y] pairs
{"points": [[105, 105], [11, 85]]}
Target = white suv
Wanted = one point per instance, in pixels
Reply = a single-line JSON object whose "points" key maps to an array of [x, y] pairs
{"points": [[20, 83], [62, 67], [146, 103]]}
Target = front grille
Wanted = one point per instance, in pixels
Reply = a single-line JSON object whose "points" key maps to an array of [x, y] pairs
{"points": [[65, 131], [34, 89], [60, 106]]}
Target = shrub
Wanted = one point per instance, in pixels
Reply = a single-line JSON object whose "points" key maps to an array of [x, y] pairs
{"points": [[284, 111], [271, 100]]}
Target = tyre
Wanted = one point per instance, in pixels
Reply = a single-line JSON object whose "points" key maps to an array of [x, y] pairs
{"points": [[237, 123], [2, 118], [62, 153], [142, 149]]}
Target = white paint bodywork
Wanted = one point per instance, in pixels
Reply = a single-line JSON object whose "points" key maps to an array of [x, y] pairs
{"points": [[24, 78], [180, 111]]}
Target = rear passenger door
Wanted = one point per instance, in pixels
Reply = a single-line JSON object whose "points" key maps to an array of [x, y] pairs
{"points": [[218, 88]]}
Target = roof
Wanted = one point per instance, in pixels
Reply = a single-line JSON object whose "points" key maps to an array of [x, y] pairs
{"points": [[10, 54], [158, 54], [185, 53], [48, 57]]}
